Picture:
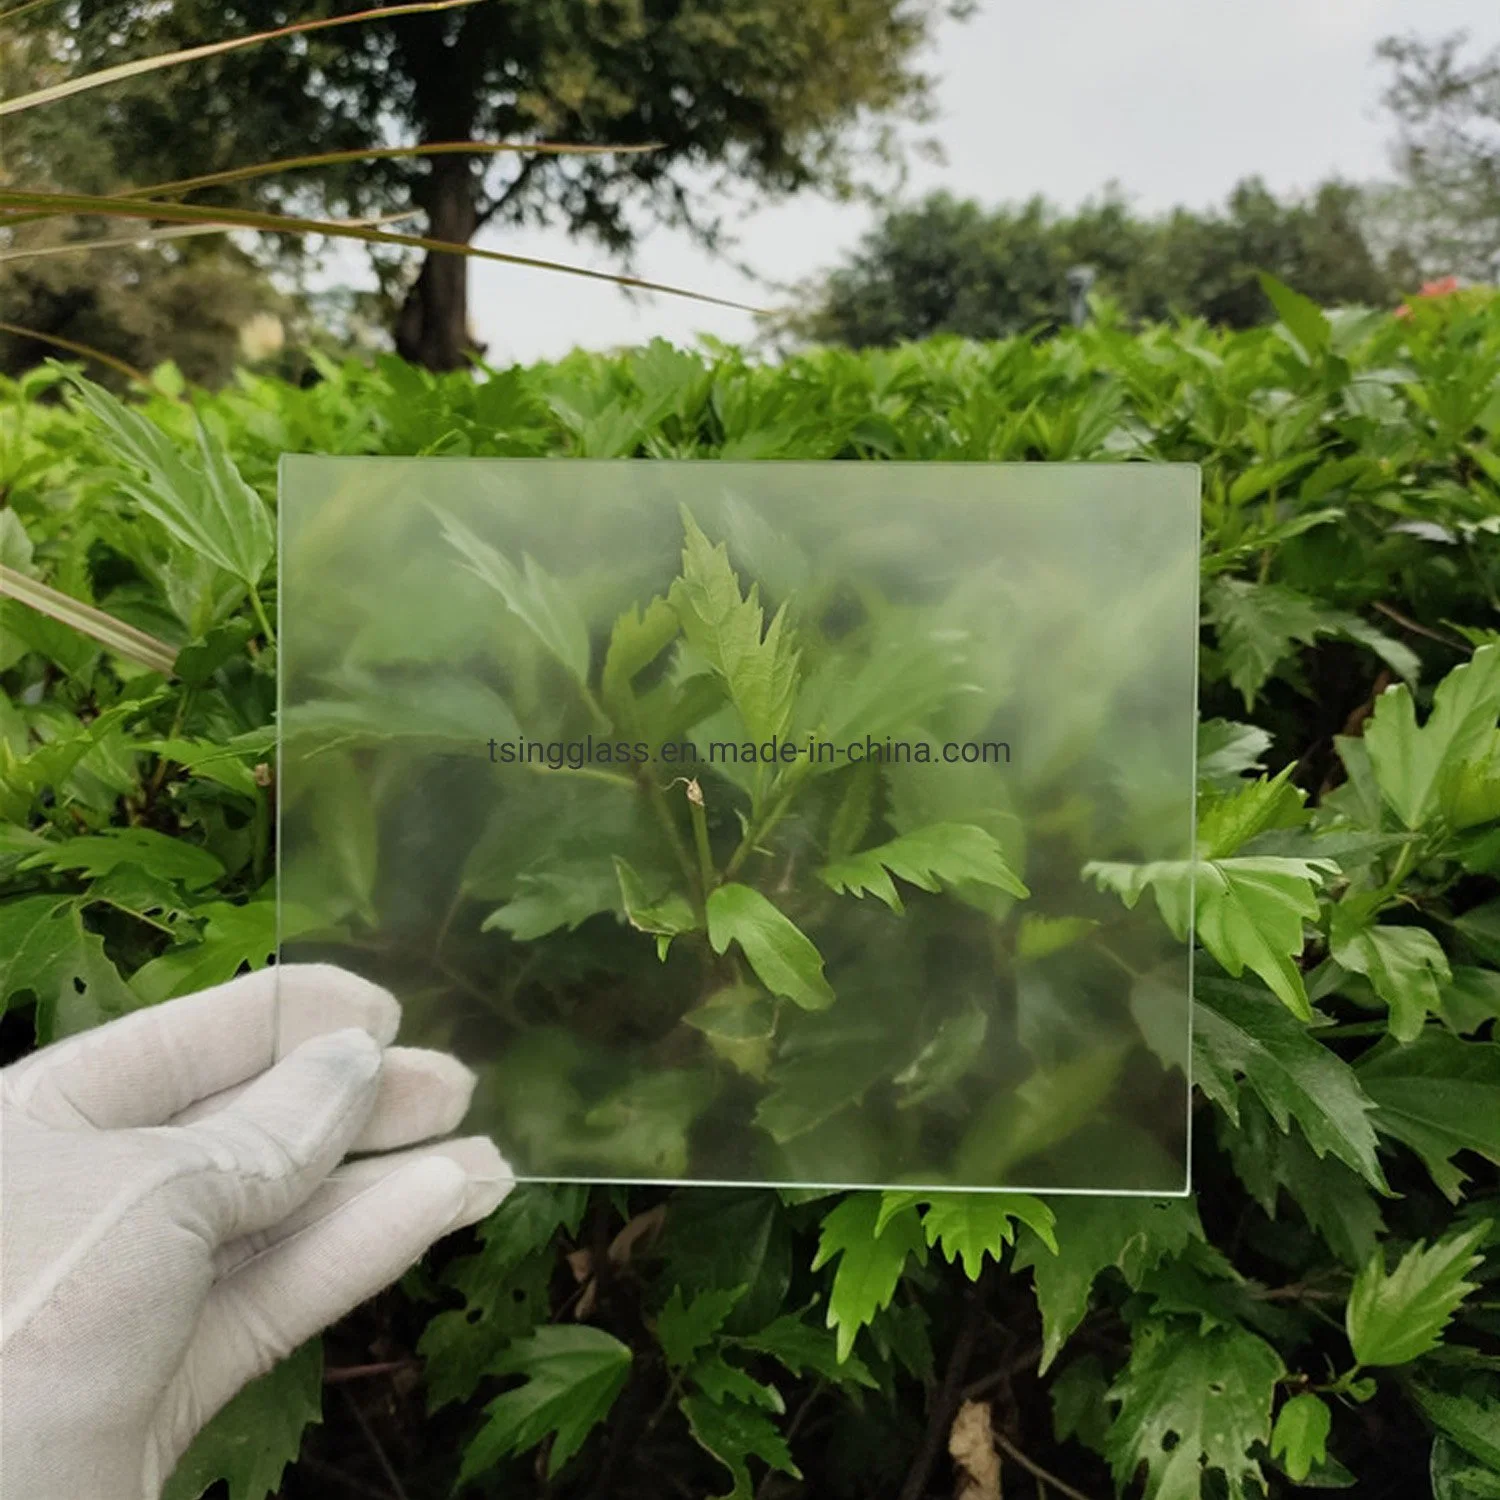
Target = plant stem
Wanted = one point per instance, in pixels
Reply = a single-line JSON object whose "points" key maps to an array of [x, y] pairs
{"points": [[260, 615], [706, 872]]}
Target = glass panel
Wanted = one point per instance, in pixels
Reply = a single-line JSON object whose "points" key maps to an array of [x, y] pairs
{"points": [[731, 819]]}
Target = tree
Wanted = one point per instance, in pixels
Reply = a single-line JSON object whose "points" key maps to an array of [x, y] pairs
{"points": [[776, 95], [949, 266], [1447, 208]]}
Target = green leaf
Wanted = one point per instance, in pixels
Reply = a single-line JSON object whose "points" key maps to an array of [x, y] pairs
{"points": [[1472, 1422], [955, 1050], [1248, 911], [1228, 820], [1455, 1476], [99, 853], [634, 643], [1258, 625], [532, 594], [760, 673], [666, 916], [1410, 764], [208, 508], [1130, 1235], [1405, 966], [45, 950], [1300, 1437], [870, 1261], [783, 957], [969, 1226], [1226, 750], [504, 1288], [1394, 1318], [683, 1328], [739, 1023], [1437, 1096], [803, 1349], [1304, 319], [249, 1442], [733, 1433], [1238, 1030], [548, 900], [1192, 1404], [573, 1374], [234, 936], [942, 853]]}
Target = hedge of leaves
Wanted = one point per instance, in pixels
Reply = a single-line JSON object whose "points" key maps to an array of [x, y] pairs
{"points": [[1323, 1312]]}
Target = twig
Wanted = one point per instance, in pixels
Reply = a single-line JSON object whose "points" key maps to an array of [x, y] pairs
{"points": [[946, 1399], [1409, 624], [1032, 1467], [1018, 1366], [337, 1374], [386, 1467]]}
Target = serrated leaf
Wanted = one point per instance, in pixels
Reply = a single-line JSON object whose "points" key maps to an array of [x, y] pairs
{"points": [[234, 936], [782, 955], [723, 1382], [969, 1226], [1240, 1031], [548, 900], [1409, 763], [1130, 1235], [733, 1433], [573, 1374], [252, 1439], [942, 853], [683, 1328], [1393, 1318], [1258, 625], [1248, 911], [870, 1263], [760, 673], [635, 642], [802, 1348], [504, 1287], [1405, 966], [1228, 820], [45, 950], [208, 507], [1437, 1095], [1226, 750], [531, 593], [1192, 1404], [1300, 1437]]}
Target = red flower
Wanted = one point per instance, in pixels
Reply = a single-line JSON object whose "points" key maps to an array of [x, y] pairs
{"points": [[1444, 286]]}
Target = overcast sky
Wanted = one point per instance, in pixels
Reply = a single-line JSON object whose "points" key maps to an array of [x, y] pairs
{"points": [[1174, 99]]}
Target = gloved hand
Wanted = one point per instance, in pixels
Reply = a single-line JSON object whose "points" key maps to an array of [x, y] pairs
{"points": [[176, 1218]]}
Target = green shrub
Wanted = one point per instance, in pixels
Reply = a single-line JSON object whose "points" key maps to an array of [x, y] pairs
{"points": [[1318, 1313]]}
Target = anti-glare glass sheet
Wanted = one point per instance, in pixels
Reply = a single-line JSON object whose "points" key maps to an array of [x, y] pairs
{"points": [[740, 822]]}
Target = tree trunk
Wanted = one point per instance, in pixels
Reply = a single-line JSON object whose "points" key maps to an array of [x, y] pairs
{"points": [[432, 328]]}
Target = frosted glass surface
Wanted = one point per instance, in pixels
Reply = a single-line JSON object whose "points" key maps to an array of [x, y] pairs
{"points": [[730, 819]]}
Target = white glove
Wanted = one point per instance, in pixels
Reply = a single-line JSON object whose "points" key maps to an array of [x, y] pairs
{"points": [[176, 1219]]}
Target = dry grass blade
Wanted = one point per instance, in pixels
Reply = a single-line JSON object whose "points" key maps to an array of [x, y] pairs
{"points": [[211, 49], [188, 213], [86, 350], [151, 236], [376, 153], [124, 640], [383, 153]]}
